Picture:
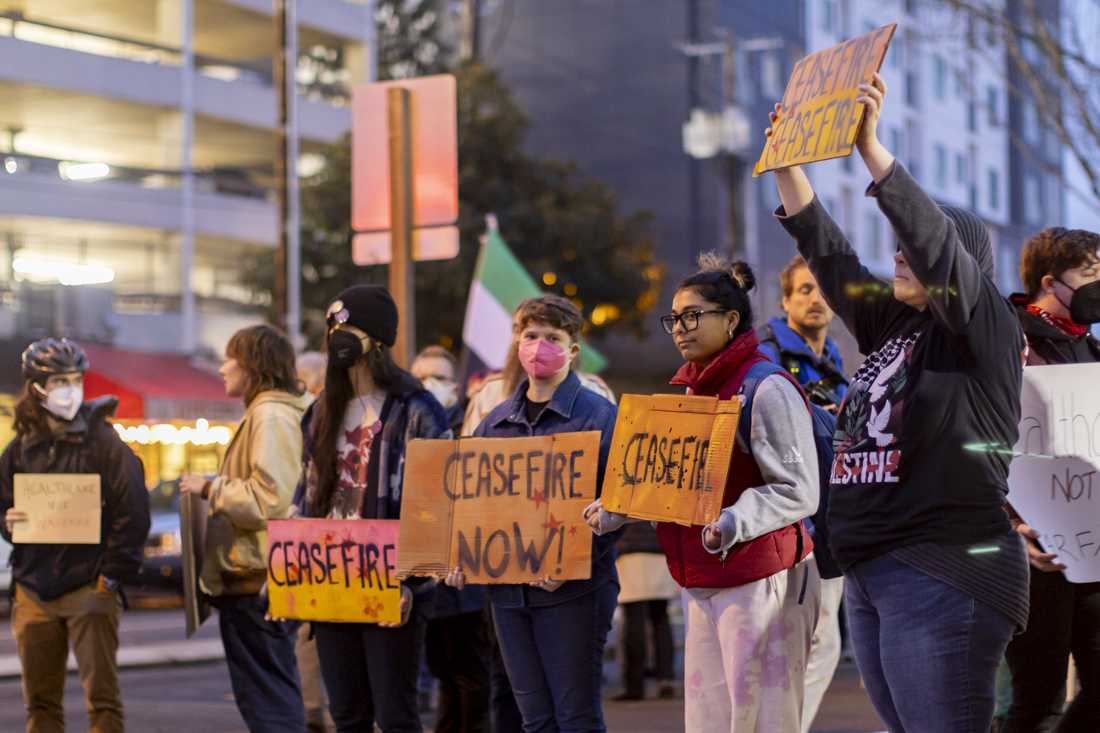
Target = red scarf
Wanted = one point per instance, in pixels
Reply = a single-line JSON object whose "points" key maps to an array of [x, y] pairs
{"points": [[710, 380], [1066, 325]]}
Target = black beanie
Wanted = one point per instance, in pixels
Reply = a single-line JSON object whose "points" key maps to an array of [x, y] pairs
{"points": [[973, 235], [370, 308]]}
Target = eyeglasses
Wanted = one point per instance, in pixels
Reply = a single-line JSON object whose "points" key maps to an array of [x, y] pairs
{"points": [[688, 319]]}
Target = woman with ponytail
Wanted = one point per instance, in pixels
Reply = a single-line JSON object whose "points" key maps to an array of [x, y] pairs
{"points": [[355, 438], [751, 590]]}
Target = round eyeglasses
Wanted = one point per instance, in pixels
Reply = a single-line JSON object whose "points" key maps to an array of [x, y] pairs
{"points": [[688, 319]]}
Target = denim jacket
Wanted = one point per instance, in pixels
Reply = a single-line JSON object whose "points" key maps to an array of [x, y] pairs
{"points": [[571, 409]]}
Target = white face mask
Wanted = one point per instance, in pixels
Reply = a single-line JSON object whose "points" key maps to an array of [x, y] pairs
{"points": [[444, 391], [64, 402]]}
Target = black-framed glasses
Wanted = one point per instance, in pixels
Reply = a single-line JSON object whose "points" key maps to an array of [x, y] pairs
{"points": [[688, 319]]}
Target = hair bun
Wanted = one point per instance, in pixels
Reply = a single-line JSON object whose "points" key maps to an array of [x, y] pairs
{"points": [[743, 275]]}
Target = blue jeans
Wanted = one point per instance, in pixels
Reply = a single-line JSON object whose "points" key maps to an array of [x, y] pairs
{"points": [[928, 653], [554, 658], [262, 666]]}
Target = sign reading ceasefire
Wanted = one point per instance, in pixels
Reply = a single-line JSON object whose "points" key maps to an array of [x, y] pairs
{"points": [[505, 510], [819, 117], [333, 570], [670, 457]]}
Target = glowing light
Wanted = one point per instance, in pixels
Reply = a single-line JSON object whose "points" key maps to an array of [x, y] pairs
{"points": [[66, 272], [549, 278], [570, 289], [167, 434], [11, 165], [83, 171]]}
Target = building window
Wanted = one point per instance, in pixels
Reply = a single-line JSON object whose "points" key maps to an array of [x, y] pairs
{"points": [[960, 84], [992, 102], [830, 206], [913, 144], [912, 92], [1030, 122], [994, 189], [974, 196], [941, 165], [897, 142], [960, 168], [828, 16], [895, 55], [939, 76], [972, 116], [874, 235], [911, 7], [847, 221], [846, 163]]}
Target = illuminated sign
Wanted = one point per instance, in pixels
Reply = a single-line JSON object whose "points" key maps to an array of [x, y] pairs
{"points": [[202, 433]]}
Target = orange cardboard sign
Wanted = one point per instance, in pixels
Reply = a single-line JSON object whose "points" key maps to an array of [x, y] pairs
{"points": [[670, 457], [819, 117], [505, 510]]}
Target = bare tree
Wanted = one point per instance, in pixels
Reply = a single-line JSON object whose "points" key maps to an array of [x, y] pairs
{"points": [[1050, 58]]}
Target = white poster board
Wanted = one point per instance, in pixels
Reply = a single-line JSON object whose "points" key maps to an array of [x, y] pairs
{"points": [[62, 508], [193, 513], [1054, 480]]}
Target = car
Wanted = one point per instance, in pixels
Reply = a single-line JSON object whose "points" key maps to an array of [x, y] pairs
{"points": [[162, 566]]}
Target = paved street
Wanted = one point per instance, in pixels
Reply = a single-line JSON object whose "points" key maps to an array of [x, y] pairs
{"points": [[163, 698]]}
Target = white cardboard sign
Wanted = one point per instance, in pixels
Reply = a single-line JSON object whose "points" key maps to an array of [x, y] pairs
{"points": [[1054, 480], [62, 508]]}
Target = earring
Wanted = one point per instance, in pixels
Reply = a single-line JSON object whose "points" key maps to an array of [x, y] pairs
{"points": [[730, 331]]}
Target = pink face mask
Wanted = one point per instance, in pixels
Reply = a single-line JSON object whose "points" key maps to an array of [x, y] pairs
{"points": [[541, 359]]}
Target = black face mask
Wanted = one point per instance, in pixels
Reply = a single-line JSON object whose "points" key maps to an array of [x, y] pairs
{"points": [[345, 349], [1084, 305]]}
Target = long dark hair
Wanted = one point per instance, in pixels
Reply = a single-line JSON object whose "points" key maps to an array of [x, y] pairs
{"points": [[30, 416], [328, 419], [267, 357], [726, 284]]}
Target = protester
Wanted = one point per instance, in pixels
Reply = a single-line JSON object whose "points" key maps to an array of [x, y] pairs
{"points": [[310, 366], [751, 588], [801, 345], [552, 633], [493, 390], [254, 484], [1060, 270], [436, 368], [71, 591], [936, 580], [457, 639], [356, 434], [645, 590]]}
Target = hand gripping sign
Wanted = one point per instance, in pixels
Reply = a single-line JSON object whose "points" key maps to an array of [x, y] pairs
{"points": [[819, 117], [670, 457], [505, 510]]}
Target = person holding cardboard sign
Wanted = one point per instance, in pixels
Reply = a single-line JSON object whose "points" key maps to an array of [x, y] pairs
{"points": [[70, 591], [552, 633], [751, 588], [1060, 269], [935, 579], [355, 436]]}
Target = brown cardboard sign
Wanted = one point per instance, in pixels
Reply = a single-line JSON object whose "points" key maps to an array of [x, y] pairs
{"points": [[670, 457], [62, 508], [819, 117], [505, 510]]}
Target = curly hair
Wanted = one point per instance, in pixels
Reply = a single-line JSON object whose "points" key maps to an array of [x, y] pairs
{"points": [[1053, 251]]}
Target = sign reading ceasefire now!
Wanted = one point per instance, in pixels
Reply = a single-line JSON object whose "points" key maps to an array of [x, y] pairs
{"points": [[333, 570], [670, 457], [819, 117], [505, 510]]}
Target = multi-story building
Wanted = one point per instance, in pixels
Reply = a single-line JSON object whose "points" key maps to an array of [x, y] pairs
{"points": [[137, 141], [610, 84]]}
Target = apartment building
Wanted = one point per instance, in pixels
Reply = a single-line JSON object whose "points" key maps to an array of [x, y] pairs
{"points": [[137, 146]]}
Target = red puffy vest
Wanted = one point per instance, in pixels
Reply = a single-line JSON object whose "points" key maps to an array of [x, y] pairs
{"points": [[690, 564]]}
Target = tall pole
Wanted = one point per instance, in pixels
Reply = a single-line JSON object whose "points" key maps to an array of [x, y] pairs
{"points": [[188, 334], [399, 114], [693, 103], [293, 222], [471, 30], [281, 163]]}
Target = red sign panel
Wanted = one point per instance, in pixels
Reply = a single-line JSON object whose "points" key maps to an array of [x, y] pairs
{"points": [[433, 102]]}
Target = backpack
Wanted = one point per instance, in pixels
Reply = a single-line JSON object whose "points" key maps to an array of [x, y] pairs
{"points": [[824, 425], [820, 392]]}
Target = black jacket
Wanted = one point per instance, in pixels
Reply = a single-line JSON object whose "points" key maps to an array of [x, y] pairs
{"points": [[1050, 345], [88, 445]]}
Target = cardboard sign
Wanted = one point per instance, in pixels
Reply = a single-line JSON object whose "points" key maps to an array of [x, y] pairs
{"points": [[333, 570], [819, 117], [505, 510], [62, 508], [670, 457], [196, 606], [1054, 479]]}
